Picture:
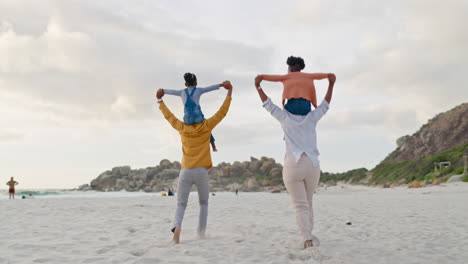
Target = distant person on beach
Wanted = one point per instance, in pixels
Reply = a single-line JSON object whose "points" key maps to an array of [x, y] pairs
{"points": [[237, 192], [12, 183], [170, 192], [299, 88], [196, 160], [191, 99], [301, 171]]}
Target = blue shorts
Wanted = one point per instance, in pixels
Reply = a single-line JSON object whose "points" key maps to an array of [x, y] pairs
{"points": [[298, 106], [191, 118]]}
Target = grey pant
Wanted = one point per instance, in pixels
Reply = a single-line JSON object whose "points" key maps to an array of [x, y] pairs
{"points": [[188, 177]]}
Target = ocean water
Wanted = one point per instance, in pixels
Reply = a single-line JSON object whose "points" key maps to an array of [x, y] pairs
{"points": [[58, 194]]}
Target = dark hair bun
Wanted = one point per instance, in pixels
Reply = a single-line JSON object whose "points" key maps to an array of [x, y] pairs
{"points": [[296, 61], [190, 78]]}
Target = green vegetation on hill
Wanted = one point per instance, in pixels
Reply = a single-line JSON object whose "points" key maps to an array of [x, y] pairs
{"points": [[420, 169], [353, 176]]}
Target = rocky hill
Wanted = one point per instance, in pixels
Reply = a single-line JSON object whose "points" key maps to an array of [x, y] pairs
{"points": [[444, 131], [442, 138], [262, 174]]}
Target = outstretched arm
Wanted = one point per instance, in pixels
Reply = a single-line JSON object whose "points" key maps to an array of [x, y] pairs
{"points": [[272, 78], [173, 92], [210, 88], [216, 118], [175, 123], [318, 76]]}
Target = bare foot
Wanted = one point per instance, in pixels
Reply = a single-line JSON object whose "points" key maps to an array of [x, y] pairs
{"points": [[307, 244], [213, 146], [176, 237], [201, 235]]}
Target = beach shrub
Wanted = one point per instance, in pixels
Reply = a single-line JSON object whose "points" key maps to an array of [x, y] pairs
{"points": [[419, 169], [353, 176], [263, 176], [459, 170]]}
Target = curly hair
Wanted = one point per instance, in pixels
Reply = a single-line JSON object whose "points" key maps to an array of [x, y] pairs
{"points": [[190, 78], [296, 62]]}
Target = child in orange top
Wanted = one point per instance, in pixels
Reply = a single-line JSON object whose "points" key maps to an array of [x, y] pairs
{"points": [[299, 87]]}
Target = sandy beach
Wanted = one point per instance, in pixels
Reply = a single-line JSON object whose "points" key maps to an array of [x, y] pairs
{"points": [[400, 225]]}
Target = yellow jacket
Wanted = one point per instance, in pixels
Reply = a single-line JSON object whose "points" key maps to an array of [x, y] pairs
{"points": [[196, 138]]}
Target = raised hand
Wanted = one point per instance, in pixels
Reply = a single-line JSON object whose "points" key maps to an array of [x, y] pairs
{"points": [[258, 80], [160, 93], [227, 85], [332, 78]]}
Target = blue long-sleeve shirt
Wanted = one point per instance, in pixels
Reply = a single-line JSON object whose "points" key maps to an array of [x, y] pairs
{"points": [[196, 95]]}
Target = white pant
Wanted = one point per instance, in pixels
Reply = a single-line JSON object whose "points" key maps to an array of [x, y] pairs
{"points": [[301, 180]]}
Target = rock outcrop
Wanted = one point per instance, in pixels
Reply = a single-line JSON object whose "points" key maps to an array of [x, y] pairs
{"points": [[444, 131], [262, 174]]}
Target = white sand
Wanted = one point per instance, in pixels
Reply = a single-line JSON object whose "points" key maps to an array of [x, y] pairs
{"points": [[428, 225]]}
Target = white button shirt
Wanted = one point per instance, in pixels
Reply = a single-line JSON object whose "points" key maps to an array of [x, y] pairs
{"points": [[299, 131]]}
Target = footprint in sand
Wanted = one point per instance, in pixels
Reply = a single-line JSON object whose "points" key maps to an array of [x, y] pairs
{"points": [[302, 257], [42, 260], [138, 252], [148, 261], [94, 260], [106, 249], [123, 242]]}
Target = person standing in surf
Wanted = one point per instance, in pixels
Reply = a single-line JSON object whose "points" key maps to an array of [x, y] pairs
{"points": [[301, 171], [196, 160], [11, 183]]}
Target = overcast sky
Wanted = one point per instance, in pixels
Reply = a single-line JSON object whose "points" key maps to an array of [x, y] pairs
{"points": [[77, 78]]}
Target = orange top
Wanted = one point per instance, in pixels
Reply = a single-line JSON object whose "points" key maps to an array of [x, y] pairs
{"points": [[298, 85]]}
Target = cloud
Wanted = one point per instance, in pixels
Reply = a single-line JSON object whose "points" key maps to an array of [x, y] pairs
{"points": [[87, 63], [10, 136], [370, 116], [54, 50], [399, 63]]}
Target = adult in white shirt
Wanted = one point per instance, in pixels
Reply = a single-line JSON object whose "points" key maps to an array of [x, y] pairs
{"points": [[301, 171]]}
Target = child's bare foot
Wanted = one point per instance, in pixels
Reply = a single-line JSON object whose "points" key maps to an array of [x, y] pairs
{"points": [[213, 146], [307, 244], [176, 236]]}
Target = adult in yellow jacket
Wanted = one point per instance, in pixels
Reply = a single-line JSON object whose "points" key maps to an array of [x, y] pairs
{"points": [[196, 160]]}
